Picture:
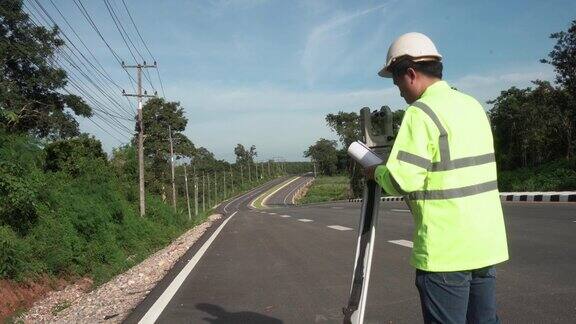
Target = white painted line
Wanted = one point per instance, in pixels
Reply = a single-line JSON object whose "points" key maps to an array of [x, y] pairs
{"points": [[271, 213], [403, 243], [275, 191], [400, 210], [340, 228], [285, 216], [154, 312], [337, 207], [305, 220]]}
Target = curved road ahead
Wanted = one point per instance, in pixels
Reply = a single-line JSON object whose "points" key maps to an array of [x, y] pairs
{"points": [[292, 264]]}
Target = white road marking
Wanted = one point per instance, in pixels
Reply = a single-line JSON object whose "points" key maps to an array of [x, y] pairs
{"points": [[285, 216], [305, 220], [154, 312], [275, 191], [405, 243], [337, 207], [400, 210], [340, 228], [271, 213]]}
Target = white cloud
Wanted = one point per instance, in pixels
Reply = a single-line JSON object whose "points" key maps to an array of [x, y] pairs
{"points": [[266, 98], [284, 122], [327, 45]]}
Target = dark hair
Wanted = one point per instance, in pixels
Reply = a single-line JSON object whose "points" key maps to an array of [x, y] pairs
{"points": [[429, 68]]}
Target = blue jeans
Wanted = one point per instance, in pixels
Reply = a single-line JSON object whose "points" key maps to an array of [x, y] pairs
{"points": [[458, 297]]}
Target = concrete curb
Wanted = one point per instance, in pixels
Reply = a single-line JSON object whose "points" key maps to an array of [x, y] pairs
{"points": [[568, 196]]}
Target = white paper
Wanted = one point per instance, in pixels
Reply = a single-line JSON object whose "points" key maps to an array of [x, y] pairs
{"points": [[363, 155]]}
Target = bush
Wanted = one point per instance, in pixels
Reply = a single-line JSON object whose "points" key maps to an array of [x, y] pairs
{"points": [[69, 155], [554, 176], [12, 254], [20, 182], [74, 215]]}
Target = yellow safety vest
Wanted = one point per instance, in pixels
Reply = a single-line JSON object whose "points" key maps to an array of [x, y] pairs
{"points": [[443, 163]]}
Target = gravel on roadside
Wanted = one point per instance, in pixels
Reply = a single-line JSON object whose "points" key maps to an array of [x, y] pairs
{"points": [[114, 300]]}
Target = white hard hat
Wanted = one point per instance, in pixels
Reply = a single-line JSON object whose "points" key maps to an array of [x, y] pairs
{"points": [[415, 45]]}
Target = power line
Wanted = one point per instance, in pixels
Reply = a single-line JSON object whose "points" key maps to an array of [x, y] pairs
{"points": [[101, 84], [96, 105], [126, 39], [87, 16], [99, 109], [145, 46]]}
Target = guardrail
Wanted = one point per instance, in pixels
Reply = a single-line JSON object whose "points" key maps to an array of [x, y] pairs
{"points": [[563, 196]]}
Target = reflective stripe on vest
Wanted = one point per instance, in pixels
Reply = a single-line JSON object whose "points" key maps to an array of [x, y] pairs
{"points": [[445, 164]]}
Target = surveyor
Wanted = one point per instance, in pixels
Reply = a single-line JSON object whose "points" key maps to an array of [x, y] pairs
{"points": [[443, 163]]}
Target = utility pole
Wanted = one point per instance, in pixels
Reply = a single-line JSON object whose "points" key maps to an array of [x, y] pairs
{"points": [[231, 180], [139, 95], [203, 191], [269, 175], [215, 188], [208, 185], [249, 174], [241, 176], [195, 192], [172, 168], [187, 197], [314, 169], [224, 181]]}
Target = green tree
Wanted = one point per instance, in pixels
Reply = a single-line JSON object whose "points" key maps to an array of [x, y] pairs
{"points": [[347, 126], [563, 58], [68, 155], [525, 126], [158, 117], [30, 100], [124, 161], [324, 153], [244, 156]]}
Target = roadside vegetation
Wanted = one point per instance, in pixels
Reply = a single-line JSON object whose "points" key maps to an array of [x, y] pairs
{"points": [[67, 208], [326, 188], [75, 216]]}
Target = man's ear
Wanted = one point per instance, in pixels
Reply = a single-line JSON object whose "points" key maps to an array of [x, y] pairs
{"points": [[411, 73]]}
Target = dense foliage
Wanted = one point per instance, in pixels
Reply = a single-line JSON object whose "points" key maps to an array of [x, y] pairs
{"points": [[324, 154], [30, 86], [59, 217]]}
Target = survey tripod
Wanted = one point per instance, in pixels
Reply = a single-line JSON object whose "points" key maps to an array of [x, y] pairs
{"points": [[377, 133]]}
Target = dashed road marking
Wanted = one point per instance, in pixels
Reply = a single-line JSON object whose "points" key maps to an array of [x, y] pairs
{"points": [[285, 216], [405, 243], [337, 207], [305, 220], [271, 213], [340, 228], [400, 210]]}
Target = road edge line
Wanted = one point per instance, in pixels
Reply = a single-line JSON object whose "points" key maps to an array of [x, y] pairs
{"points": [[158, 307]]}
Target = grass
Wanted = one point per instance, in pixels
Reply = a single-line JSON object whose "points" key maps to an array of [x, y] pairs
{"points": [[327, 189], [553, 176]]}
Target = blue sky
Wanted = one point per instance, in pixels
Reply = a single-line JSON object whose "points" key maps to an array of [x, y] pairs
{"points": [[265, 72]]}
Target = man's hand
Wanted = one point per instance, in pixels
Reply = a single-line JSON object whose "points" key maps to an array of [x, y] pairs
{"points": [[369, 172]]}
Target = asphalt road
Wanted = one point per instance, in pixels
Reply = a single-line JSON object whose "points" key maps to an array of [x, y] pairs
{"points": [[293, 265], [285, 196]]}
